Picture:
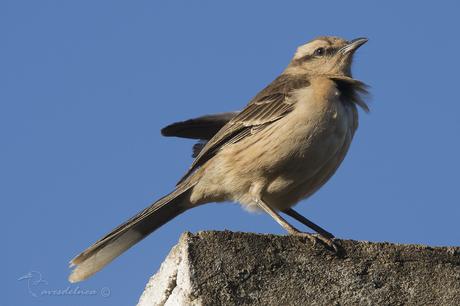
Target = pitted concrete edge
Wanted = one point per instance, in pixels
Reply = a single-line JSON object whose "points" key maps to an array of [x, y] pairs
{"points": [[227, 268]]}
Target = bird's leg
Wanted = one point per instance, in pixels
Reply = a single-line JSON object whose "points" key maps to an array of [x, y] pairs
{"points": [[292, 213], [291, 229]]}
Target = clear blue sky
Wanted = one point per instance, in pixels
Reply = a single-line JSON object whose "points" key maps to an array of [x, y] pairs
{"points": [[85, 87]]}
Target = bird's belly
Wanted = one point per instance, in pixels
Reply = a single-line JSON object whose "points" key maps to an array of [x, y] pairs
{"points": [[286, 158], [320, 150], [302, 177]]}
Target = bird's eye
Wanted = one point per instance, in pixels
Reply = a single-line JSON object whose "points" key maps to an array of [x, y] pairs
{"points": [[320, 52]]}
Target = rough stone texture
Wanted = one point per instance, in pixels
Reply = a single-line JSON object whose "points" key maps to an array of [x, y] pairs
{"points": [[226, 268]]}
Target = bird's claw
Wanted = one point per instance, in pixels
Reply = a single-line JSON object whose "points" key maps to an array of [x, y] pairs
{"points": [[315, 238]]}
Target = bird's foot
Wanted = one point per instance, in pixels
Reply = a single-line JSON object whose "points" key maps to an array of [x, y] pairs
{"points": [[315, 238]]}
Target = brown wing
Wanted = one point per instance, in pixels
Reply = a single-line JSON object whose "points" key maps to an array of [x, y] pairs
{"points": [[268, 106], [204, 127]]}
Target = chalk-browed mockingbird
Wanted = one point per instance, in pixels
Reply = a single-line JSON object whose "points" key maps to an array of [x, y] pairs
{"points": [[281, 148]]}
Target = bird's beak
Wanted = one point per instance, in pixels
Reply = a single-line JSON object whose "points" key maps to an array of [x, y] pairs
{"points": [[353, 45]]}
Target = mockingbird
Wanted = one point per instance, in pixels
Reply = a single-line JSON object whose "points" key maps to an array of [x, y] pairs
{"points": [[281, 148]]}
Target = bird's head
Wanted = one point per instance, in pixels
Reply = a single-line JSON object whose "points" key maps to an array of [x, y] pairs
{"points": [[326, 55]]}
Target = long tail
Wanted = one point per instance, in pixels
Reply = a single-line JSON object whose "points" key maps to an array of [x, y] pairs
{"points": [[129, 233]]}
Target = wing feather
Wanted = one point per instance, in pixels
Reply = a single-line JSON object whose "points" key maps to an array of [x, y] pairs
{"points": [[204, 127], [269, 105]]}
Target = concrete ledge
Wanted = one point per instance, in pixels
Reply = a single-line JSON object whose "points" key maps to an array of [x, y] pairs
{"points": [[226, 268]]}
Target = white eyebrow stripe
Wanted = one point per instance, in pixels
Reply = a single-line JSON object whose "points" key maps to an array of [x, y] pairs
{"points": [[309, 48]]}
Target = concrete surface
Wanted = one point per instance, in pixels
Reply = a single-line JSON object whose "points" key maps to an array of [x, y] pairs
{"points": [[226, 268]]}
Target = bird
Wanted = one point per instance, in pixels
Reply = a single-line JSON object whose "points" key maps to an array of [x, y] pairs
{"points": [[280, 148]]}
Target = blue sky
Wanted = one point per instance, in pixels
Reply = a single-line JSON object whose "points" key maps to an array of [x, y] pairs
{"points": [[85, 87]]}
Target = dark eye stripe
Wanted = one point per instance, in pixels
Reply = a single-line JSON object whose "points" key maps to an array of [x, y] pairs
{"points": [[328, 51], [331, 51], [304, 59]]}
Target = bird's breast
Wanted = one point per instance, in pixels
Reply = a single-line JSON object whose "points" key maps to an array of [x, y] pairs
{"points": [[318, 123], [289, 157], [318, 133]]}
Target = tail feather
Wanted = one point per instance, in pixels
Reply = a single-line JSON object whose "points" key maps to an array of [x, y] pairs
{"points": [[129, 233]]}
